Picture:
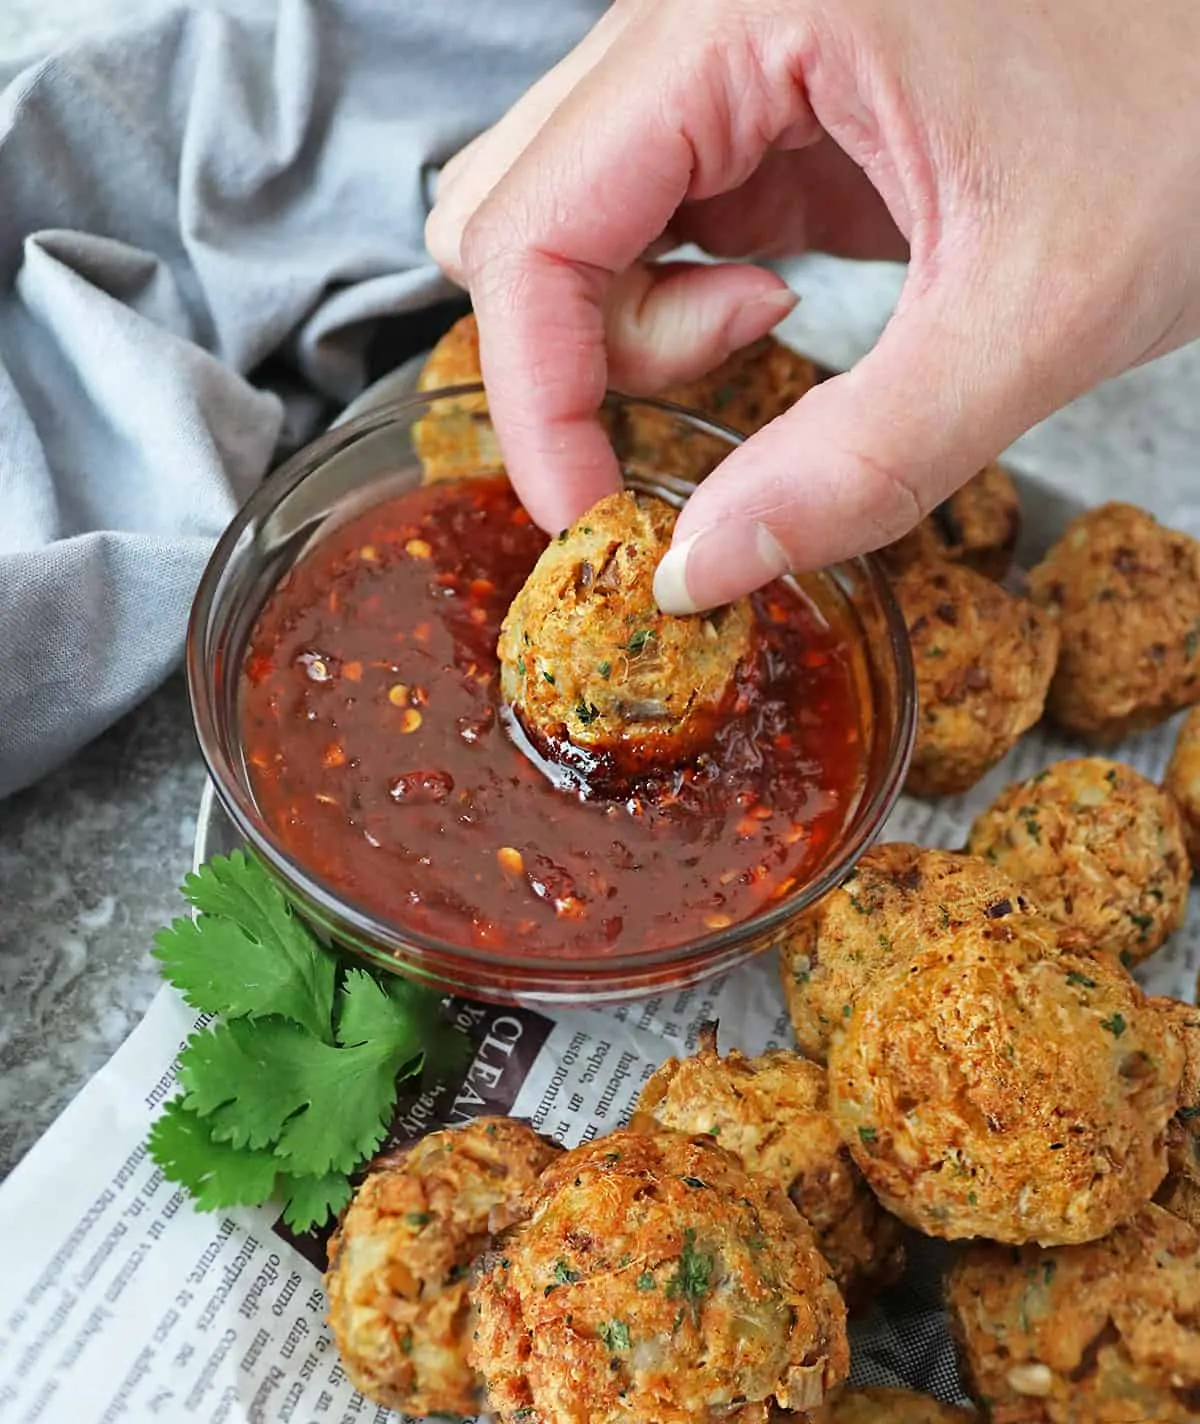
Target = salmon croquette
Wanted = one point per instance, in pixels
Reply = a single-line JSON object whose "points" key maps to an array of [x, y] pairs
{"points": [[1099, 847], [894, 1406], [1183, 781], [977, 526], [1180, 1191], [457, 440], [400, 1257], [995, 1086], [1125, 591], [773, 1113], [897, 899], [656, 1279], [587, 658], [745, 392], [1104, 1333], [983, 660]]}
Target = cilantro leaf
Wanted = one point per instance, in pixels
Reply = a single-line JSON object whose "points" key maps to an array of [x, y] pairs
{"points": [[248, 954], [615, 1334], [362, 1017], [269, 1082], [369, 1010], [215, 1174], [311, 1201], [295, 1085], [693, 1276]]}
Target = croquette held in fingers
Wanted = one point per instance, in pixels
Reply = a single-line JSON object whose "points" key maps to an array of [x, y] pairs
{"points": [[587, 657]]}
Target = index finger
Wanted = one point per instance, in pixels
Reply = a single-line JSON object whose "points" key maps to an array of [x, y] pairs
{"points": [[593, 190]]}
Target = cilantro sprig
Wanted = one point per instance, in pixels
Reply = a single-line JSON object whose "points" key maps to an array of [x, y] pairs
{"points": [[292, 1087]]}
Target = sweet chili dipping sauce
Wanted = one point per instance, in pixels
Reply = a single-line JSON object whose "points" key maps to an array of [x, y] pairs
{"points": [[381, 756]]}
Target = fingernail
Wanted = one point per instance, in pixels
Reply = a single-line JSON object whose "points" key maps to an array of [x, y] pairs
{"points": [[718, 565], [756, 318]]}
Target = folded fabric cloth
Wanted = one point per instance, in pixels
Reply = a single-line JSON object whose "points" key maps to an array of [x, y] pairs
{"points": [[208, 223]]}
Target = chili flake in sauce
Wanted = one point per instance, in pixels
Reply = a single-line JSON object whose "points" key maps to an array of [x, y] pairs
{"points": [[371, 721]]}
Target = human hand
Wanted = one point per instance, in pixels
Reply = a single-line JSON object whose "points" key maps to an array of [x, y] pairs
{"points": [[1038, 163]]}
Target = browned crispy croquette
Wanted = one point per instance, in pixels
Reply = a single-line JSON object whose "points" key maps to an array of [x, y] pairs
{"points": [[983, 660], [1103, 1333], [456, 440], [978, 526], [894, 1406], [1125, 591], [1180, 1191], [1183, 780], [898, 899], [1099, 847], [747, 391], [587, 657], [996, 1086], [773, 1112], [400, 1257], [655, 1279]]}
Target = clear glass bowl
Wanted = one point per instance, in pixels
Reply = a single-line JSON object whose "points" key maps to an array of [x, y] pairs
{"points": [[381, 454]]}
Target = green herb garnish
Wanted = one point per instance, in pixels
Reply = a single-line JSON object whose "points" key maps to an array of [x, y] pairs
{"points": [[587, 712], [549, 677], [293, 1087], [1116, 1025], [563, 1274], [639, 640], [615, 1334], [868, 1135], [604, 668], [645, 1282], [1074, 977], [694, 1275]]}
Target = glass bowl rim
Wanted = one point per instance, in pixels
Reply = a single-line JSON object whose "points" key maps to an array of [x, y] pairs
{"points": [[233, 792]]}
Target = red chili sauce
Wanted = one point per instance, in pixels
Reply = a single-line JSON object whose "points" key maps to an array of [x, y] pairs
{"points": [[380, 755]]}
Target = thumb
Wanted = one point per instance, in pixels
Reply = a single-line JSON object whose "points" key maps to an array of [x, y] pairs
{"points": [[864, 456]]}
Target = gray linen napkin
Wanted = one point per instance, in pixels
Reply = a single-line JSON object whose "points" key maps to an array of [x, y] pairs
{"points": [[208, 222]]}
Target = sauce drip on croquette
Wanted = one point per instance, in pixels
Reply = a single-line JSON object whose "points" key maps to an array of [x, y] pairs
{"points": [[371, 721]]}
